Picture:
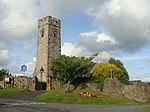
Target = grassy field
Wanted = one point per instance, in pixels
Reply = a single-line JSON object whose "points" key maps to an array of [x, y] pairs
{"points": [[147, 108], [11, 91], [58, 96]]}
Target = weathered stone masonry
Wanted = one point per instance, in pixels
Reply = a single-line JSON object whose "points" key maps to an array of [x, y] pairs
{"points": [[49, 46], [18, 82], [138, 91]]}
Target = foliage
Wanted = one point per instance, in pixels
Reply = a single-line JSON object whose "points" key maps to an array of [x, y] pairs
{"points": [[58, 96], [66, 69], [100, 81], [125, 77], [3, 72], [81, 82], [92, 56], [106, 70]]}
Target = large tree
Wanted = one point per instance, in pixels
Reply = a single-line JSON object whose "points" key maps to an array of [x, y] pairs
{"points": [[125, 77], [3, 72], [106, 70], [66, 69]]}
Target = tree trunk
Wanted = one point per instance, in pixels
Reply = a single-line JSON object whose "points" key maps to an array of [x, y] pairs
{"points": [[68, 86]]}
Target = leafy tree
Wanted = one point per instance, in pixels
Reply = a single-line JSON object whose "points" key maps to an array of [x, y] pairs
{"points": [[125, 77], [106, 70], [92, 56], [66, 69], [3, 72]]}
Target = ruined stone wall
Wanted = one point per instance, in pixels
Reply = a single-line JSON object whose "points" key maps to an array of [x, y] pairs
{"points": [[1, 84], [24, 82], [139, 91], [20, 82], [113, 86], [92, 87]]}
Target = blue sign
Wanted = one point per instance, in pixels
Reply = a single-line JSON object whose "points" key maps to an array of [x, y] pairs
{"points": [[23, 68]]}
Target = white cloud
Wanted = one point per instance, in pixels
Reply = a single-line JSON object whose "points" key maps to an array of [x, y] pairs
{"points": [[144, 79], [90, 43], [113, 8], [127, 21], [103, 56], [147, 59], [21, 15], [71, 50], [30, 68], [57, 7], [102, 37], [4, 58], [96, 42]]}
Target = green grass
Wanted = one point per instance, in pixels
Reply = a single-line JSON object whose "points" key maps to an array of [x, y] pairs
{"points": [[58, 96], [147, 108], [11, 91]]}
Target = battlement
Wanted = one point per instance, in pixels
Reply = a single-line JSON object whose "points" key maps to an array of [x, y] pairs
{"points": [[49, 20]]}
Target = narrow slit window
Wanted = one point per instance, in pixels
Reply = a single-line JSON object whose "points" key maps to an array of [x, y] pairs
{"points": [[42, 32]]}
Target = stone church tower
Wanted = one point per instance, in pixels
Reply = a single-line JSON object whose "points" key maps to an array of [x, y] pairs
{"points": [[49, 47]]}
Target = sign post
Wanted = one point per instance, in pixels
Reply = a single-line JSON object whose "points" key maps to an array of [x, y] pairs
{"points": [[24, 68]]}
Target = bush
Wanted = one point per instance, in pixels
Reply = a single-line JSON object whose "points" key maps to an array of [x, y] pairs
{"points": [[100, 82], [106, 70], [80, 82], [123, 80], [125, 77]]}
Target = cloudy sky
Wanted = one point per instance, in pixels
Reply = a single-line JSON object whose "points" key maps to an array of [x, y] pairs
{"points": [[113, 28]]}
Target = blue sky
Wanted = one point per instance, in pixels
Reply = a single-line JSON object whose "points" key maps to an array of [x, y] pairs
{"points": [[113, 28]]}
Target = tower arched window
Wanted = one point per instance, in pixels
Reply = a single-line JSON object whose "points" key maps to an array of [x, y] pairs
{"points": [[42, 32]]}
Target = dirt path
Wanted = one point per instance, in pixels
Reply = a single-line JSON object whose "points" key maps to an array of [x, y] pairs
{"points": [[26, 96]]}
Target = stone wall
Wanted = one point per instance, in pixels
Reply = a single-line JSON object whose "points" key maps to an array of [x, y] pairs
{"points": [[20, 82], [1, 84], [113, 86], [92, 87], [24, 82], [138, 91]]}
